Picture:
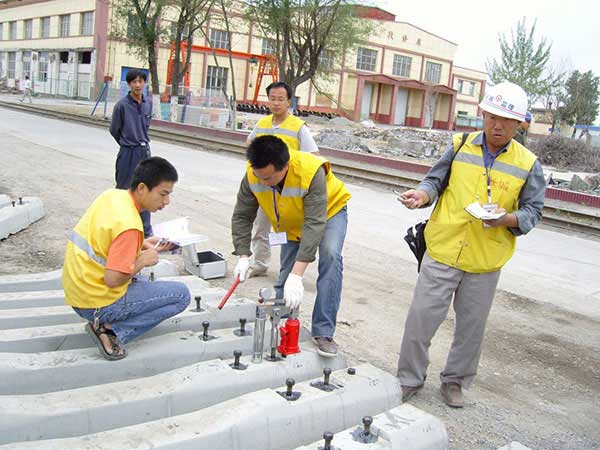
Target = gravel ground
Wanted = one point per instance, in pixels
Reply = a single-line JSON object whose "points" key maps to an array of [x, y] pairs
{"points": [[539, 379]]}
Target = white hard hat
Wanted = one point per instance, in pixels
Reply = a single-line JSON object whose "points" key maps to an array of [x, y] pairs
{"points": [[506, 100]]}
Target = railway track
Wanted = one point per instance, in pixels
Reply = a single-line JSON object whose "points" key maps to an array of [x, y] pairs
{"points": [[556, 214]]}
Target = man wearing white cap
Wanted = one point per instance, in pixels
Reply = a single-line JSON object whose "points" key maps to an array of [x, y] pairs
{"points": [[464, 254]]}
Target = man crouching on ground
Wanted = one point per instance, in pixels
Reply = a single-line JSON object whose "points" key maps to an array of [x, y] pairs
{"points": [[105, 251]]}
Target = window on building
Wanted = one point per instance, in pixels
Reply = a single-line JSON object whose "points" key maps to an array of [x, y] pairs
{"points": [[219, 39], [216, 78], [2, 64], [465, 87], [1, 31], [12, 31], [184, 34], [433, 72], [64, 57], [26, 61], [462, 113], [269, 47], [326, 59], [366, 59], [28, 29], [12, 65], [43, 66], [45, 27], [65, 23], [402, 65], [85, 57], [87, 23]]}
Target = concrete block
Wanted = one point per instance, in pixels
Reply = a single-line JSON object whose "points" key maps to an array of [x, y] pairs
{"points": [[70, 334], [164, 268], [402, 428], [36, 373], [181, 391], [32, 317], [15, 218], [261, 420], [4, 200], [43, 281], [32, 299], [514, 446]]}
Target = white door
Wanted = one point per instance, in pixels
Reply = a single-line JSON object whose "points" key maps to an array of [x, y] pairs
{"points": [[401, 107], [365, 108]]}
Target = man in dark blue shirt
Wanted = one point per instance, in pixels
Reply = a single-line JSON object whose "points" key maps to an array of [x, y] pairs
{"points": [[129, 126]]}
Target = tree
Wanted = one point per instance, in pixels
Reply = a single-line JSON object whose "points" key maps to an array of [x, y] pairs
{"points": [[191, 17], [303, 30], [523, 62], [581, 100], [142, 30]]}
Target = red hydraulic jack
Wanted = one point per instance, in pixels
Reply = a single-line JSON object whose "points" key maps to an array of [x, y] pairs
{"points": [[274, 308]]}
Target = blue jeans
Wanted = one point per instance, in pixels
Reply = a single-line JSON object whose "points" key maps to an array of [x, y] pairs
{"points": [[127, 160], [144, 305], [329, 282]]}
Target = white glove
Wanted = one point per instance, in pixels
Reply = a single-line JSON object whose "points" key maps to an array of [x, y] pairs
{"points": [[293, 291], [241, 269]]}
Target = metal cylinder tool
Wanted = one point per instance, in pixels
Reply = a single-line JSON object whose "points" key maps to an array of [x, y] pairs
{"points": [[273, 309]]}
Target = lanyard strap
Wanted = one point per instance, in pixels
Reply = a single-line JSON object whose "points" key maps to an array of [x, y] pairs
{"points": [[488, 169], [275, 207]]}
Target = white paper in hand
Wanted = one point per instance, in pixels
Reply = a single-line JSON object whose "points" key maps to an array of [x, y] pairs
{"points": [[477, 211], [177, 232]]}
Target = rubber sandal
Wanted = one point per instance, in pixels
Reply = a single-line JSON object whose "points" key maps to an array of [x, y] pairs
{"points": [[95, 334]]}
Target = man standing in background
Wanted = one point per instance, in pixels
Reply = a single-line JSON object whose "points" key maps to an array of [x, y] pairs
{"points": [[129, 126], [294, 132]]}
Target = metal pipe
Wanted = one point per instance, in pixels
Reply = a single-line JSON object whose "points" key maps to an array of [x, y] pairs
{"points": [[259, 340]]}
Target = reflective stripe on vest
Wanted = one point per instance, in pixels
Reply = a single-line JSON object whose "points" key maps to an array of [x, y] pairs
{"points": [[499, 166], [86, 248], [274, 131]]}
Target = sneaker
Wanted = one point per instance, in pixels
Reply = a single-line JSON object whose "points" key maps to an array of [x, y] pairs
{"points": [[452, 395], [326, 346], [257, 271], [409, 392]]}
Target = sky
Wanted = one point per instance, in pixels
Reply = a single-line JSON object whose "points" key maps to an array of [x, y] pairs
{"points": [[573, 27]]}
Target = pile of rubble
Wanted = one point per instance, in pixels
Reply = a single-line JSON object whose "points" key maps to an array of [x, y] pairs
{"points": [[391, 142], [589, 184]]}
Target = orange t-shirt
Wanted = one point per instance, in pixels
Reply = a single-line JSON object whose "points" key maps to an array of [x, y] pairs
{"points": [[123, 250]]}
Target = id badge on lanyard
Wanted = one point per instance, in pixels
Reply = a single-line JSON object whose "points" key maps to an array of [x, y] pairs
{"points": [[277, 237], [489, 206]]}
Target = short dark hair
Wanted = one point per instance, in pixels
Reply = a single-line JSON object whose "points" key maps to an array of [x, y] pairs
{"points": [[135, 73], [152, 172], [265, 150], [280, 84]]}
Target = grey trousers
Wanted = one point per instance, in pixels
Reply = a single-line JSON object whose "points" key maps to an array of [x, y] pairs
{"points": [[261, 250], [473, 296]]}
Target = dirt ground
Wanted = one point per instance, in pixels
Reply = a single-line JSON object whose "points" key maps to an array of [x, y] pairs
{"points": [[539, 378]]}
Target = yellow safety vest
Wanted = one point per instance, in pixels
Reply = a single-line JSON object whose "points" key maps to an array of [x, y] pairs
{"points": [[288, 130], [454, 237], [289, 204], [110, 214]]}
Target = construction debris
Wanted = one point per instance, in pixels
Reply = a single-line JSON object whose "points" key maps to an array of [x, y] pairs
{"points": [[392, 142]]}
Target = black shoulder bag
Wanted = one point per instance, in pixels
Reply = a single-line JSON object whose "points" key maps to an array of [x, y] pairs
{"points": [[415, 235]]}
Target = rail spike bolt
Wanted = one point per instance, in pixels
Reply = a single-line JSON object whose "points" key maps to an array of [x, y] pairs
{"points": [[205, 335], [327, 437], [367, 421], [198, 299], [242, 330], [364, 434], [289, 393], [237, 365], [325, 385]]}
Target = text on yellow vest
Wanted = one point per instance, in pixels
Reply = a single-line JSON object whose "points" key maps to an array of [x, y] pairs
{"points": [[453, 236], [112, 213], [288, 130], [290, 202]]}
